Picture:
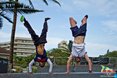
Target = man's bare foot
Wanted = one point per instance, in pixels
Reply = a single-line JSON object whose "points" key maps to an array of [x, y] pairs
{"points": [[90, 71], [67, 72], [50, 73], [30, 72]]}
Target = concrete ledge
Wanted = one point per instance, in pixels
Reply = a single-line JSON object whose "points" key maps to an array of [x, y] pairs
{"points": [[57, 75]]}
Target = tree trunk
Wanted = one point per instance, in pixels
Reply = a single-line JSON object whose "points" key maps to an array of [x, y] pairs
{"points": [[13, 34]]}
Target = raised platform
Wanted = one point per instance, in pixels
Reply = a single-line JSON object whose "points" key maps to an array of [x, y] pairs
{"points": [[62, 68], [57, 75]]}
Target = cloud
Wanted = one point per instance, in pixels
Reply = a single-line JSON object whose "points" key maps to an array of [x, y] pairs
{"points": [[96, 49], [4, 36], [81, 3], [98, 7], [102, 9], [53, 42], [22, 35], [110, 29], [111, 25]]}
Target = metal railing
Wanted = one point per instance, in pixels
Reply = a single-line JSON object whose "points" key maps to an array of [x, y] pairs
{"points": [[95, 60]]}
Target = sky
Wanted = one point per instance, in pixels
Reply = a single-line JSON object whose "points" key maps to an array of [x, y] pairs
{"points": [[101, 24]]}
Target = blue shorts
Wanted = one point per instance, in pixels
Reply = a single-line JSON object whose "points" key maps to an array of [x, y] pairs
{"points": [[79, 31]]}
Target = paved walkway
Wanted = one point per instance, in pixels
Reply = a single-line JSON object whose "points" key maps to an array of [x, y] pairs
{"points": [[57, 75]]}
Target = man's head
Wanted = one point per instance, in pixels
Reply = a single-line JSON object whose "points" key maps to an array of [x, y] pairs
{"points": [[77, 59], [41, 64], [84, 20]]}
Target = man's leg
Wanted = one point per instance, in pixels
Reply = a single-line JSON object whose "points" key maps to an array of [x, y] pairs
{"points": [[44, 31], [74, 28], [31, 31], [84, 20], [72, 22], [42, 38], [89, 62]]}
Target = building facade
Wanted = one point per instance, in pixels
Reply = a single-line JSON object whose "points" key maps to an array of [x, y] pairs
{"points": [[63, 44], [4, 53], [22, 46]]}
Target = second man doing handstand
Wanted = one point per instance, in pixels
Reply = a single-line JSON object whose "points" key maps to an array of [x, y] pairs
{"points": [[78, 47], [39, 42]]}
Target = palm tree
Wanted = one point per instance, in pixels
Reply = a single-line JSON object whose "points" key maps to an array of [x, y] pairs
{"points": [[45, 1], [2, 14], [15, 7], [14, 28], [21, 8], [11, 2], [14, 25], [1, 24]]}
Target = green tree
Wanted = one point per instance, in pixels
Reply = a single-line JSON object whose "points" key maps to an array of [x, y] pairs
{"points": [[111, 54], [112, 58], [56, 52], [60, 56], [22, 61], [64, 46]]}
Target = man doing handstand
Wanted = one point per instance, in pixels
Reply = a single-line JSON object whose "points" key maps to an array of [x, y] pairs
{"points": [[39, 42], [78, 47]]}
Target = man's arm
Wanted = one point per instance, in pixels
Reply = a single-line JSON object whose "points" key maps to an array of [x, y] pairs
{"points": [[68, 64], [45, 28], [30, 66], [50, 64]]}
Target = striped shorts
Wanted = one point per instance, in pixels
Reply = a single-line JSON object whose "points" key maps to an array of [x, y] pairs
{"points": [[78, 50]]}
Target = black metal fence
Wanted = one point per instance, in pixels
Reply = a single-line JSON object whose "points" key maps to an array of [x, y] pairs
{"points": [[95, 60]]}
